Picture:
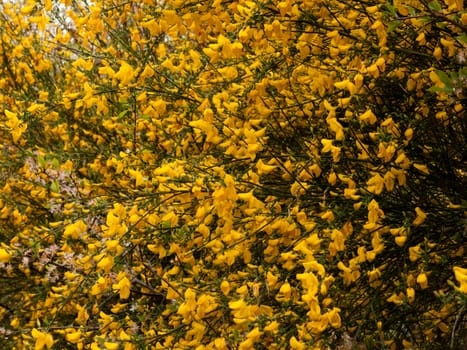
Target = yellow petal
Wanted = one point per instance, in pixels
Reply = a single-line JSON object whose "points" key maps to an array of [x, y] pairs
{"points": [[4, 256]]}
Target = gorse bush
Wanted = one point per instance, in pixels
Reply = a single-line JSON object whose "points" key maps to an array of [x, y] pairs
{"points": [[233, 174]]}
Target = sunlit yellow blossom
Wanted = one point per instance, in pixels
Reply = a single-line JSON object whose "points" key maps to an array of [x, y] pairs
{"points": [[346, 84], [295, 344], [400, 240], [336, 128], [421, 216], [415, 253], [82, 316], [368, 117], [376, 184], [284, 292], [73, 337], [4, 256], [75, 230], [188, 307], [410, 294], [422, 168], [422, 280], [272, 327], [264, 168], [334, 317], [138, 176], [16, 126], [125, 74], [106, 263], [231, 174], [111, 346], [461, 277], [123, 287], [397, 299], [225, 287], [42, 340]]}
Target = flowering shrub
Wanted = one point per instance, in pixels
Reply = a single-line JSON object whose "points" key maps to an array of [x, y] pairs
{"points": [[232, 175]]}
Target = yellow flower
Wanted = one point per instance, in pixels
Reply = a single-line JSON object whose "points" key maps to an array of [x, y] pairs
{"points": [[284, 292], [42, 340], [272, 327], [309, 282], [421, 216], [389, 181], [346, 84], [225, 287], [4, 256], [375, 214], [139, 179], [26, 10], [374, 274], [295, 344], [327, 215], [207, 127], [206, 304], [318, 325], [187, 308], [415, 253], [106, 264], [123, 286], [336, 128], [422, 280], [12, 119], [351, 193], [100, 285], [461, 276], [254, 334], [73, 337], [236, 305], [125, 74], [111, 346], [368, 117], [82, 316], [338, 242], [334, 317], [410, 294], [376, 184], [271, 279], [422, 168], [220, 343], [75, 230], [329, 147], [16, 125], [124, 336], [332, 178], [171, 218], [397, 299], [264, 168], [400, 240]]}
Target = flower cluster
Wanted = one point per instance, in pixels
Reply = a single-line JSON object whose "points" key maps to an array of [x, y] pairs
{"points": [[232, 174]]}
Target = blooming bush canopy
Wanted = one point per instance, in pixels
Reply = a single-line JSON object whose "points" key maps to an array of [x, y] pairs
{"points": [[233, 174]]}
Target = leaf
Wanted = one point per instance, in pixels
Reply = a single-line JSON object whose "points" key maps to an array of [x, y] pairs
{"points": [[462, 38], [445, 79], [393, 25], [122, 114], [55, 187], [42, 162], [55, 163], [439, 89], [425, 19], [391, 9], [435, 6]]}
